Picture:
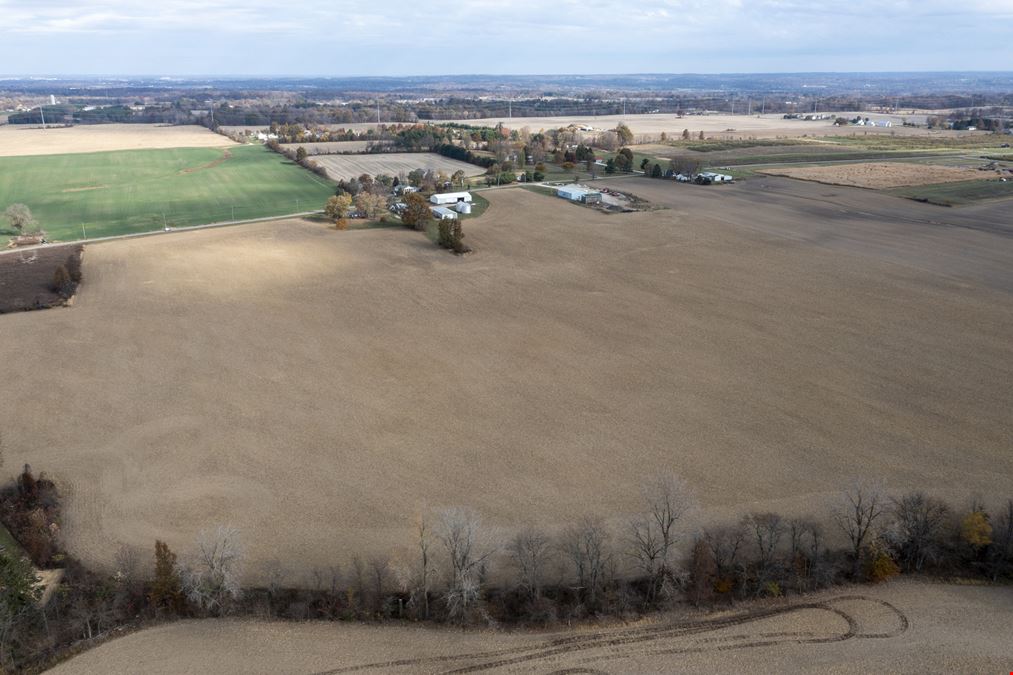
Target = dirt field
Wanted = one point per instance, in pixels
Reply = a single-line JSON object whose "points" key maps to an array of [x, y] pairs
{"points": [[317, 388], [17, 140], [879, 175], [903, 627], [26, 277], [353, 166]]}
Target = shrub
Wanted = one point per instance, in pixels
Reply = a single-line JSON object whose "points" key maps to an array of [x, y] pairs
{"points": [[62, 283], [166, 592], [451, 236], [880, 566], [975, 530]]}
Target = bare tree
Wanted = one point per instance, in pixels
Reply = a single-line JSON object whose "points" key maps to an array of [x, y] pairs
{"points": [[725, 544], [915, 530], [807, 551], [860, 508], [1000, 553], [766, 529], [530, 550], [211, 576], [378, 569], [656, 532], [585, 544], [468, 548]]}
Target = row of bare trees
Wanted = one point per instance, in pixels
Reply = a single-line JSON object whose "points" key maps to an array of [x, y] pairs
{"points": [[461, 569]]}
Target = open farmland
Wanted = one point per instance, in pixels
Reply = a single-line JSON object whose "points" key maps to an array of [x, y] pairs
{"points": [[109, 193], [879, 175], [352, 166], [318, 389], [724, 125], [19, 140], [332, 147], [898, 627]]}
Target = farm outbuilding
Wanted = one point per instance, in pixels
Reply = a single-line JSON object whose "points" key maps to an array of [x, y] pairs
{"points": [[578, 193], [442, 213], [451, 198]]}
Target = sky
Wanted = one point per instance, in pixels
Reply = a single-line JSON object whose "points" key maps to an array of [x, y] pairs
{"points": [[401, 37]]}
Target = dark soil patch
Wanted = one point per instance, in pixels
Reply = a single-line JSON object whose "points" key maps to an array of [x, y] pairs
{"points": [[27, 278]]}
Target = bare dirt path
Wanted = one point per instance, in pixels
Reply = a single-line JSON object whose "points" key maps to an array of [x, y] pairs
{"points": [[904, 627]]}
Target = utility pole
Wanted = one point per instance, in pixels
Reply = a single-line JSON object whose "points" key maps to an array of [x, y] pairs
{"points": [[43, 113]]}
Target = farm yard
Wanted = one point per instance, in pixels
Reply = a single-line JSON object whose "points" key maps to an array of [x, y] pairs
{"points": [[352, 166], [761, 348], [20, 141], [110, 193]]}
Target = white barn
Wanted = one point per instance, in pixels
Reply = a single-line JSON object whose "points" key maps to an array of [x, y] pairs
{"points": [[443, 213], [577, 193], [451, 198]]}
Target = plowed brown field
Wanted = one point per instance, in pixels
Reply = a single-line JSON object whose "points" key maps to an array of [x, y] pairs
{"points": [[317, 388]]}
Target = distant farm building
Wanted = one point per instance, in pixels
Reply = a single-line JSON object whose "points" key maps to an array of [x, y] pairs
{"points": [[578, 193], [451, 198], [716, 177], [442, 213]]}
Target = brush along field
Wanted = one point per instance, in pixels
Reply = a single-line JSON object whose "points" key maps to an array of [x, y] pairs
{"points": [[318, 389], [110, 193], [903, 626], [352, 166], [879, 175], [17, 140], [331, 147]]}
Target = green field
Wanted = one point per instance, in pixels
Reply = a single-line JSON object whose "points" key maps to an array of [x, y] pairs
{"points": [[957, 194], [109, 193]]}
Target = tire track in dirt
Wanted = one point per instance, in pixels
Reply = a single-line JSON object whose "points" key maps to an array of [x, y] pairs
{"points": [[226, 155], [645, 637]]}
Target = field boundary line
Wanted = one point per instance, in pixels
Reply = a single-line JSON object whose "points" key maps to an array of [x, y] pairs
{"points": [[134, 235]]}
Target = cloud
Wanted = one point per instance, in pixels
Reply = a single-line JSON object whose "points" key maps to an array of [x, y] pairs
{"points": [[443, 36]]}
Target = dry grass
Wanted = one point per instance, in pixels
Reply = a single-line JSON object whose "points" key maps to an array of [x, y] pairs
{"points": [[948, 629], [317, 388], [17, 140], [353, 166], [878, 175], [331, 147]]}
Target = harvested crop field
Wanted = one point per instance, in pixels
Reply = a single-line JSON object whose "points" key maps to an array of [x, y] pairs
{"points": [[878, 175], [319, 388], [904, 626], [17, 140], [352, 166], [332, 147]]}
